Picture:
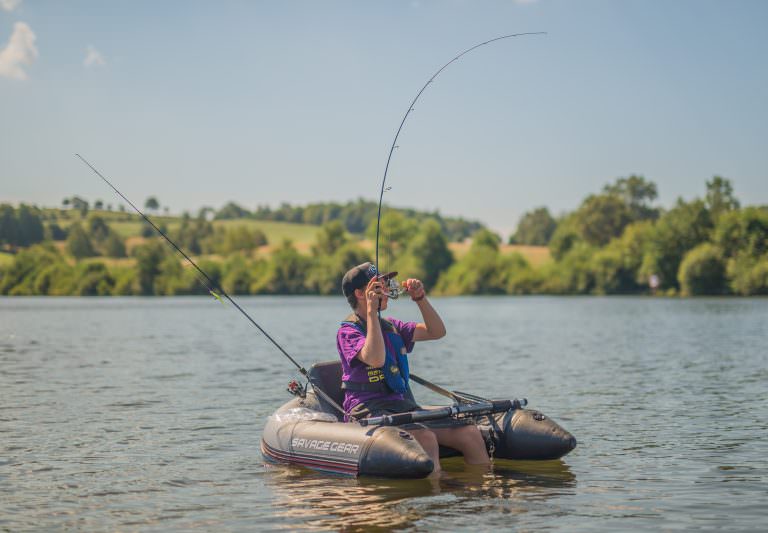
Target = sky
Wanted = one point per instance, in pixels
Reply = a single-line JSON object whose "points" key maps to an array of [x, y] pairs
{"points": [[263, 102]]}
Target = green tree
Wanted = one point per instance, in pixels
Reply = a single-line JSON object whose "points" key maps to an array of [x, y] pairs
{"points": [[680, 229], [720, 198], [80, 205], [326, 270], [9, 226], [230, 211], [78, 243], [602, 218], [152, 204], [241, 239], [30, 225], [286, 273], [429, 254], [330, 238], [98, 230], [638, 194], [93, 279], [148, 256], [702, 271], [395, 231], [743, 231], [113, 246], [481, 271], [535, 228], [564, 238], [55, 232]]}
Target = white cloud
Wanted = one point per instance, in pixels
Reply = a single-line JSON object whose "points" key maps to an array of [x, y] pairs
{"points": [[9, 5], [19, 51], [93, 58]]}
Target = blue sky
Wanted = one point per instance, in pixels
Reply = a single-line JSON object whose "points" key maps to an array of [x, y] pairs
{"points": [[263, 102]]}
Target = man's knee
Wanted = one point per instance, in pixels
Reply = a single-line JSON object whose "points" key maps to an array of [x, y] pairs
{"points": [[469, 434]]}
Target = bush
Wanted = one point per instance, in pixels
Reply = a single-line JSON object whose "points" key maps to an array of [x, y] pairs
{"points": [[78, 243], [748, 276], [702, 271]]}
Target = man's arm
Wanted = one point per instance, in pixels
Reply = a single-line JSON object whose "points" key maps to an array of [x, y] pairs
{"points": [[432, 328], [373, 352]]}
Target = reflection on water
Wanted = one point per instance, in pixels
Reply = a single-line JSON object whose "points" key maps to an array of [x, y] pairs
{"points": [[305, 499]]}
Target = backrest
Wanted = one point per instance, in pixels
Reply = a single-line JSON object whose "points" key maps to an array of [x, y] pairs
{"points": [[327, 376]]}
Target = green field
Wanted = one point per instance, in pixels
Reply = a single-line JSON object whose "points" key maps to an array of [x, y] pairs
{"points": [[5, 258], [129, 225]]}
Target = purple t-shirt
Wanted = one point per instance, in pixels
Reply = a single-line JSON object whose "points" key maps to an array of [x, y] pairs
{"points": [[349, 341]]}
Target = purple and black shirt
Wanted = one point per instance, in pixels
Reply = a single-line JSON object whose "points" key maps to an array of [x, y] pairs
{"points": [[349, 342]]}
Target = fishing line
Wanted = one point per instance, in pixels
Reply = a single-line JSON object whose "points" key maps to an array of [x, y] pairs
{"points": [[407, 113], [216, 290]]}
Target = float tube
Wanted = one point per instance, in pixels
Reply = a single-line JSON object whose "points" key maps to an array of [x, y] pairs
{"points": [[307, 431]]}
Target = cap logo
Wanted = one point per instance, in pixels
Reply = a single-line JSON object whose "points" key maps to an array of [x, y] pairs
{"points": [[371, 271]]}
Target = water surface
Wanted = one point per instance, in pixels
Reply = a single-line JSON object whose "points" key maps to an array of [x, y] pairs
{"points": [[131, 413]]}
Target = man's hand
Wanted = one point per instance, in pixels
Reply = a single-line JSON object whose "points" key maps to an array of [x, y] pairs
{"points": [[415, 288], [374, 293]]}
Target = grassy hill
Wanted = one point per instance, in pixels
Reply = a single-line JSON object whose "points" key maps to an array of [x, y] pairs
{"points": [[129, 225]]}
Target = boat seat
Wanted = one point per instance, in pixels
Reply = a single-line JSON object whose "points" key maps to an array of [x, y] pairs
{"points": [[327, 376]]}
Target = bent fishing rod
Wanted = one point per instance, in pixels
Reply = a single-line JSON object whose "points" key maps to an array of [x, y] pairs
{"points": [[216, 290], [410, 109]]}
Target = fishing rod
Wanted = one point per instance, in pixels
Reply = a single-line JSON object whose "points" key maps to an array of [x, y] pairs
{"points": [[410, 109], [217, 291]]}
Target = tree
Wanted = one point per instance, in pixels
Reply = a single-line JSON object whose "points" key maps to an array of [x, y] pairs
{"points": [[152, 204], [601, 218], [720, 198], [564, 238], [743, 231], [78, 243], [98, 230], [637, 194], [56, 232], [98, 204], [678, 230], [9, 226], [330, 238], [65, 202], [487, 238], [702, 271], [80, 205], [230, 211], [535, 228], [429, 254], [148, 256], [30, 225], [113, 246], [287, 271]]}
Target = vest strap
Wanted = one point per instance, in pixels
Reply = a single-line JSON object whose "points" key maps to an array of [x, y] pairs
{"points": [[356, 386]]}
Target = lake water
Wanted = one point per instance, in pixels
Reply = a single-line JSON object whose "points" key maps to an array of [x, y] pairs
{"points": [[146, 414]]}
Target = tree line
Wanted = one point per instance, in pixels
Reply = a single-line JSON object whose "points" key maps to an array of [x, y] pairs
{"points": [[616, 241], [355, 216]]}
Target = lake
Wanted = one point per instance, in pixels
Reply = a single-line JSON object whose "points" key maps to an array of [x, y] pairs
{"points": [[146, 414]]}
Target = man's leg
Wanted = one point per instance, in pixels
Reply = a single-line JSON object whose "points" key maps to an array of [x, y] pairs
{"points": [[428, 441], [466, 439]]}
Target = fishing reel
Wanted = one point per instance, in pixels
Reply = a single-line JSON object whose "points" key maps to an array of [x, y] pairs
{"points": [[392, 288], [297, 389]]}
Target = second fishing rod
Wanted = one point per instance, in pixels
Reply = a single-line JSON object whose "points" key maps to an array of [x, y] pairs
{"points": [[216, 290]]}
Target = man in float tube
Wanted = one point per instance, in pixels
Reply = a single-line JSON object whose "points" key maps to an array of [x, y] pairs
{"points": [[374, 362]]}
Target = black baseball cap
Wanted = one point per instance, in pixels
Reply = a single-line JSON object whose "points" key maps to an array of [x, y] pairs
{"points": [[359, 276]]}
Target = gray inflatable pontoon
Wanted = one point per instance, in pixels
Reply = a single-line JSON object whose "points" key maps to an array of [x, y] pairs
{"points": [[308, 432]]}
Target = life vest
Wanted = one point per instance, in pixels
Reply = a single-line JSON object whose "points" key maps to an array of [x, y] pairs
{"points": [[393, 376]]}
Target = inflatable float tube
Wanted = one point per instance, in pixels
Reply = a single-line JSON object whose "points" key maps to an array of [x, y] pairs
{"points": [[307, 432]]}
